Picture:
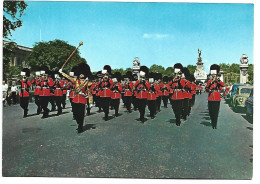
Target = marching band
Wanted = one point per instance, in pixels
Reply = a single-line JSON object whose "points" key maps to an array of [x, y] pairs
{"points": [[105, 90]]}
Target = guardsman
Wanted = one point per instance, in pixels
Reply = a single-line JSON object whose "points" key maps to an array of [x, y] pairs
{"points": [[142, 86], [186, 91], [58, 85], [72, 89], [128, 91], [52, 90], [37, 83], [64, 91], [83, 74], [177, 84], [134, 101], [214, 87], [24, 93], [158, 84], [106, 85], [116, 92], [98, 91], [45, 93], [151, 96], [165, 88], [193, 89]]}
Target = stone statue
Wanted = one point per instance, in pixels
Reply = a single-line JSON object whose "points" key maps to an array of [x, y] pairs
{"points": [[199, 51], [244, 59]]}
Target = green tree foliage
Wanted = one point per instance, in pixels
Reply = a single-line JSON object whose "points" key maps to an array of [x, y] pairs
{"points": [[168, 72], [53, 54], [191, 68], [157, 68], [13, 11]]}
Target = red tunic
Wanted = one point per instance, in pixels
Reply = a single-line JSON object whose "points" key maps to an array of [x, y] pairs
{"points": [[165, 89], [142, 89], [116, 91], [37, 89], [177, 85], [106, 86], [58, 88], [128, 89], [81, 97], [65, 88], [214, 88], [25, 85], [152, 93]]}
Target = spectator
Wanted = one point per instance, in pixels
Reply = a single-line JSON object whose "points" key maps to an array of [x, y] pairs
{"points": [[14, 92], [5, 89]]}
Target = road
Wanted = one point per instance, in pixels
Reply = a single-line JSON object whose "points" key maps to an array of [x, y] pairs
{"points": [[125, 148]]}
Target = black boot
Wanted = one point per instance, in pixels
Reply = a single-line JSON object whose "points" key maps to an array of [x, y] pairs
{"points": [[88, 111], [25, 112], [80, 128], [106, 116]]}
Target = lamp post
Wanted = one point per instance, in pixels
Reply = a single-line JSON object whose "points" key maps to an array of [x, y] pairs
{"points": [[229, 73]]}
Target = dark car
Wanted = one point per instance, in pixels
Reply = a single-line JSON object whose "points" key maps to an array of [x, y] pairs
{"points": [[249, 104]]}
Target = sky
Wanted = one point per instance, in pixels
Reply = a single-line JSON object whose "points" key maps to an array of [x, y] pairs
{"points": [[115, 33]]}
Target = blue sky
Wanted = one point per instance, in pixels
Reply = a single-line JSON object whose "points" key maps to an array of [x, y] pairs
{"points": [[158, 33]]}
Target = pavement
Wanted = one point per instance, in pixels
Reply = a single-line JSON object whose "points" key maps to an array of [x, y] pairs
{"points": [[123, 147]]}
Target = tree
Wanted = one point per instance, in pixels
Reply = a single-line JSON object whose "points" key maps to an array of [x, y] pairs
{"points": [[192, 69], [168, 71], [13, 11], [156, 68], [53, 54]]}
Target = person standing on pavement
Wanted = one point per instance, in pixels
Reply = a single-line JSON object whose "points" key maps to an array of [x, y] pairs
{"points": [[14, 92], [116, 92], [151, 96], [214, 87], [165, 88], [5, 90]]}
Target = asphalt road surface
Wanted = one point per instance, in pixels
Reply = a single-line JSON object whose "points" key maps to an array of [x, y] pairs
{"points": [[124, 147]]}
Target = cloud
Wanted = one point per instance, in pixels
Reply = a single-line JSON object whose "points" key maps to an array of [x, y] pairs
{"points": [[155, 36]]}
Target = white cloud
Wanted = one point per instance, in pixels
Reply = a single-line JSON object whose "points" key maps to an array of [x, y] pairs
{"points": [[155, 36]]}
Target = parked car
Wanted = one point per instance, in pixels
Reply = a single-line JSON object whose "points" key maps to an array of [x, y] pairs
{"points": [[249, 104], [232, 92], [242, 93]]}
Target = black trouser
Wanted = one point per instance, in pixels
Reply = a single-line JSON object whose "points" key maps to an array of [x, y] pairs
{"points": [[189, 105], [177, 109], [213, 107], [165, 100], [64, 100], [94, 99], [88, 107], [123, 98], [72, 107], [14, 97], [193, 99], [128, 101], [37, 102], [79, 111], [105, 101], [24, 101], [141, 107], [115, 104], [98, 102], [152, 107], [58, 100], [44, 100], [134, 102], [52, 101], [158, 103], [185, 108]]}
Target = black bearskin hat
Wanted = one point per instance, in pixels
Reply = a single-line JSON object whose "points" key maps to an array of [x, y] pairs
{"points": [[117, 75], [27, 72], [134, 77], [215, 67], [128, 74], [177, 66], [157, 76], [165, 78], [145, 70], [186, 72], [83, 68], [151, 75], [99, 74], [170, 78], [108, 68]]}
